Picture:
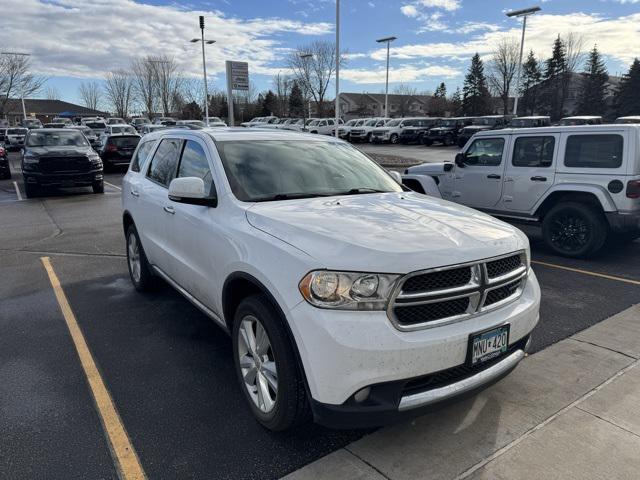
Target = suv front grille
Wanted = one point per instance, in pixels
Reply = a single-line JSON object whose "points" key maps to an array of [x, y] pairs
{"points": [[444, 295], [75, 164]]}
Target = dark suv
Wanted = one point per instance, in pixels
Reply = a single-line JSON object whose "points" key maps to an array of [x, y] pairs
{"points": [[447, 131], [60, 158], [479, 124], [117, 149], [5, 170], [414, 133]]}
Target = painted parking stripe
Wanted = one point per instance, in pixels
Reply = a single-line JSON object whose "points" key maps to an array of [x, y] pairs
{"points": [[587, 272], [122, 451], [15, 184], [112, 185]]}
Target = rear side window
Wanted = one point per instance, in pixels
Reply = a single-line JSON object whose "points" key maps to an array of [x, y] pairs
{"points": [[485, 152], [594, 151], [533, 152], [141, 155], [165, 161], [194, 164]]}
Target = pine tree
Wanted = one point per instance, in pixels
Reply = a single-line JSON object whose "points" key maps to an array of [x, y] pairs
{"points": [[441, 91], [269, 103], [456, 102], [593, 87], [296, 101], [476, 99], [530, 85], [627, 100], [555, 70]]}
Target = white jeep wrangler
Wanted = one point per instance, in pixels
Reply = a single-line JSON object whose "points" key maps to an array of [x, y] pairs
{"points": [[581, 183]]}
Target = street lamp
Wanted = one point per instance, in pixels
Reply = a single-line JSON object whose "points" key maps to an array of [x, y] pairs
{"points": [[388, 41], [306, 57], [524, 13], [204, 68], [19, 54], [337, 107]]}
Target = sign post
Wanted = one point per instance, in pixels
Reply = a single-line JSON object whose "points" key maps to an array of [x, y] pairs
{"points": [[237, 79]]}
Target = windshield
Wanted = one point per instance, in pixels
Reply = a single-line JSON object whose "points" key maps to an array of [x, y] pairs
{"points": [[371, 123], [115, 121], [277, 170], [313, 123], [394, 123], [56, 139], [484, 121], [214, 119], [351, 123], [96, 125], [448, 123], [123, 129]]}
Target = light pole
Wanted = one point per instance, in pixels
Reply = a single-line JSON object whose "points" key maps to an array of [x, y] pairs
{"points": [[305, 57], [204, 68], [524, 14], [388, 41], [337, 107], [19, 54]]}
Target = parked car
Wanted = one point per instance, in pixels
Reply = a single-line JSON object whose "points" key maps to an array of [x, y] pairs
{"points": [[30, 123], [216, 122], [413, 133], [54, 125], [152, 128], [480, 124], [3, 132], [116, 148], [67, 121], [298, 125], [345, 130], [627, 120], [14, 138], [263, 232], [323, 126], [98, 127], [60, 158], [391, 130], [86, 120], [191, 123], [5, 168], [447, 131], [259, 121], [581, 120], [530, 122], [94, 140], [581, 184], [139, 122], [363, 132]]}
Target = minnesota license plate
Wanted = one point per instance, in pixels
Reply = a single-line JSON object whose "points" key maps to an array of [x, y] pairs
{"points": [[488, 344]]}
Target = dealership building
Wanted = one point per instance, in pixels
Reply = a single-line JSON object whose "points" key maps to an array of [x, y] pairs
{"points": [[45, 110]]}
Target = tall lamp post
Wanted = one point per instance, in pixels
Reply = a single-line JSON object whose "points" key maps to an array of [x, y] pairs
{"points": [[305, 57], [19, 54], [337, 107], [524, 14], [388, 41], [204, 68]]}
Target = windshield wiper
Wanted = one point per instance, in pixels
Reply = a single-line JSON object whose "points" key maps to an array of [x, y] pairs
{"points": [[290, 196], [358, 191]]}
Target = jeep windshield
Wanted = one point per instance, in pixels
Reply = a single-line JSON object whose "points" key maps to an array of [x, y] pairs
{"points": [[56, 139], [270, 170], [448, 123], [490, 122]]}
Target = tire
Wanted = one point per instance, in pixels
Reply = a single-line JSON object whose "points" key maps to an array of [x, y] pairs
{"points": [[98, 187], [285, 406], [141, 275], [448, 140], [30, 190], [393, 139], [368, 138], [427, 142], [574, 230]]}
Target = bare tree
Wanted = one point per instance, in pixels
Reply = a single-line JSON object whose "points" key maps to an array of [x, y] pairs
{"points": [[574, 49], [282, 85], [167, 81], [405, 98], [52, 93], [90, 94], [118, 89], [16, 80], [314, 71], [503, 67], [144, 84]]}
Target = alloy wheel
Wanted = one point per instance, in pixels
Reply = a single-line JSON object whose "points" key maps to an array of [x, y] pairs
{"points": [[570, 232], [133, 251], [257, 363]]}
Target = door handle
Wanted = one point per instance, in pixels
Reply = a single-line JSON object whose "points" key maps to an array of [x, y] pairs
{"points": [[169, 209], [494, 176], [538, 179], [134, 192]]}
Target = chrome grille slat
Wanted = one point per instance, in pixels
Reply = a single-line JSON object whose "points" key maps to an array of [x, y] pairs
{"points": [[490, 284]]}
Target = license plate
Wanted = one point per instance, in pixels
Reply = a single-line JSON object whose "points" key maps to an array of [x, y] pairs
{"points": [[489, 344]]}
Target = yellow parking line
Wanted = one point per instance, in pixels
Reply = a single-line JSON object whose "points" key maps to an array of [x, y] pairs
{"points": [[123, 453], [587, 272]]}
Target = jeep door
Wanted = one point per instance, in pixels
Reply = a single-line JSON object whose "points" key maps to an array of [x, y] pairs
{"points": [[479, 183], [530, 171]]}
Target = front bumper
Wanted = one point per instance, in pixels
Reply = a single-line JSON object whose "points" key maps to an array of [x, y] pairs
{"points": [[345, 352], [63, 179]]}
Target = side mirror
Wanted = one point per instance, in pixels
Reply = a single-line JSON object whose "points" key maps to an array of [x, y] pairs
{"points": [[190, 190], [460, 158], [396, 176]]}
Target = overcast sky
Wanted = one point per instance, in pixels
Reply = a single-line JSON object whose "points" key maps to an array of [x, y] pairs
{"points": [[74, 40]]}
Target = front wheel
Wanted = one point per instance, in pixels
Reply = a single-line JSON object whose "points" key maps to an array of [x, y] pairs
{"points": [[266, 366], [394, 139], [139, 268], [574, 230], [427, 142], [30, 190], [98, 187]]}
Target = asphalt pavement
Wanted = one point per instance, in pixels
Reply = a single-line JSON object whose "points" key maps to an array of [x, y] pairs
{"points": [[168, 369]]}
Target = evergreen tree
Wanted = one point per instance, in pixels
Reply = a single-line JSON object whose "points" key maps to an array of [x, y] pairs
{"points": [[296, 101], [555, 70], [476, 99], [627, 100], [456, 102], [530, 85], [593, 87], [441, 91], [269, 103], [191, 110]]}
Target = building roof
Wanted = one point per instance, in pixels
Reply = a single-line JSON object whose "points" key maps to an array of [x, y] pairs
{"points": [[48, 107]]}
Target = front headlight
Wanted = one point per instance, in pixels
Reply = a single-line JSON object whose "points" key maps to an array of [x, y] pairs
{"points": [[347, 290]]}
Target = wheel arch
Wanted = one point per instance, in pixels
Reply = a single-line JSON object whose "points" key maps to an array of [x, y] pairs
{"points": [[127, 221], [593, 196]]}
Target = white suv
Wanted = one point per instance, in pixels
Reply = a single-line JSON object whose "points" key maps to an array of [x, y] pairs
{"points": [[581, 183], [391, 131], [323, 126], [345, 296], [363, 132]]}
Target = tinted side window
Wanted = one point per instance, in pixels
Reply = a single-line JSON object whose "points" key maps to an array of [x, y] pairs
{"points": [[165, 161], [141, 155], [485, 152], [533, 152], [594, 151], [194, 164]]}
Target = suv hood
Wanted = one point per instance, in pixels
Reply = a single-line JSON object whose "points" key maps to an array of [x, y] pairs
{"points": [[388, 232]]}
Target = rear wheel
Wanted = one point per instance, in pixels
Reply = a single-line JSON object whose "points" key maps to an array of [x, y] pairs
{"points": [[574, 229], [427, 141], [266, 366]]}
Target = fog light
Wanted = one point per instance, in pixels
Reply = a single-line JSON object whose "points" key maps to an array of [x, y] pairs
{"points": [[361, 395]]}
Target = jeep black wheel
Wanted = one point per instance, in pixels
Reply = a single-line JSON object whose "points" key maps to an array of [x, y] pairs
{"points": [[574, 230], [448, 140], [427, 141]]}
